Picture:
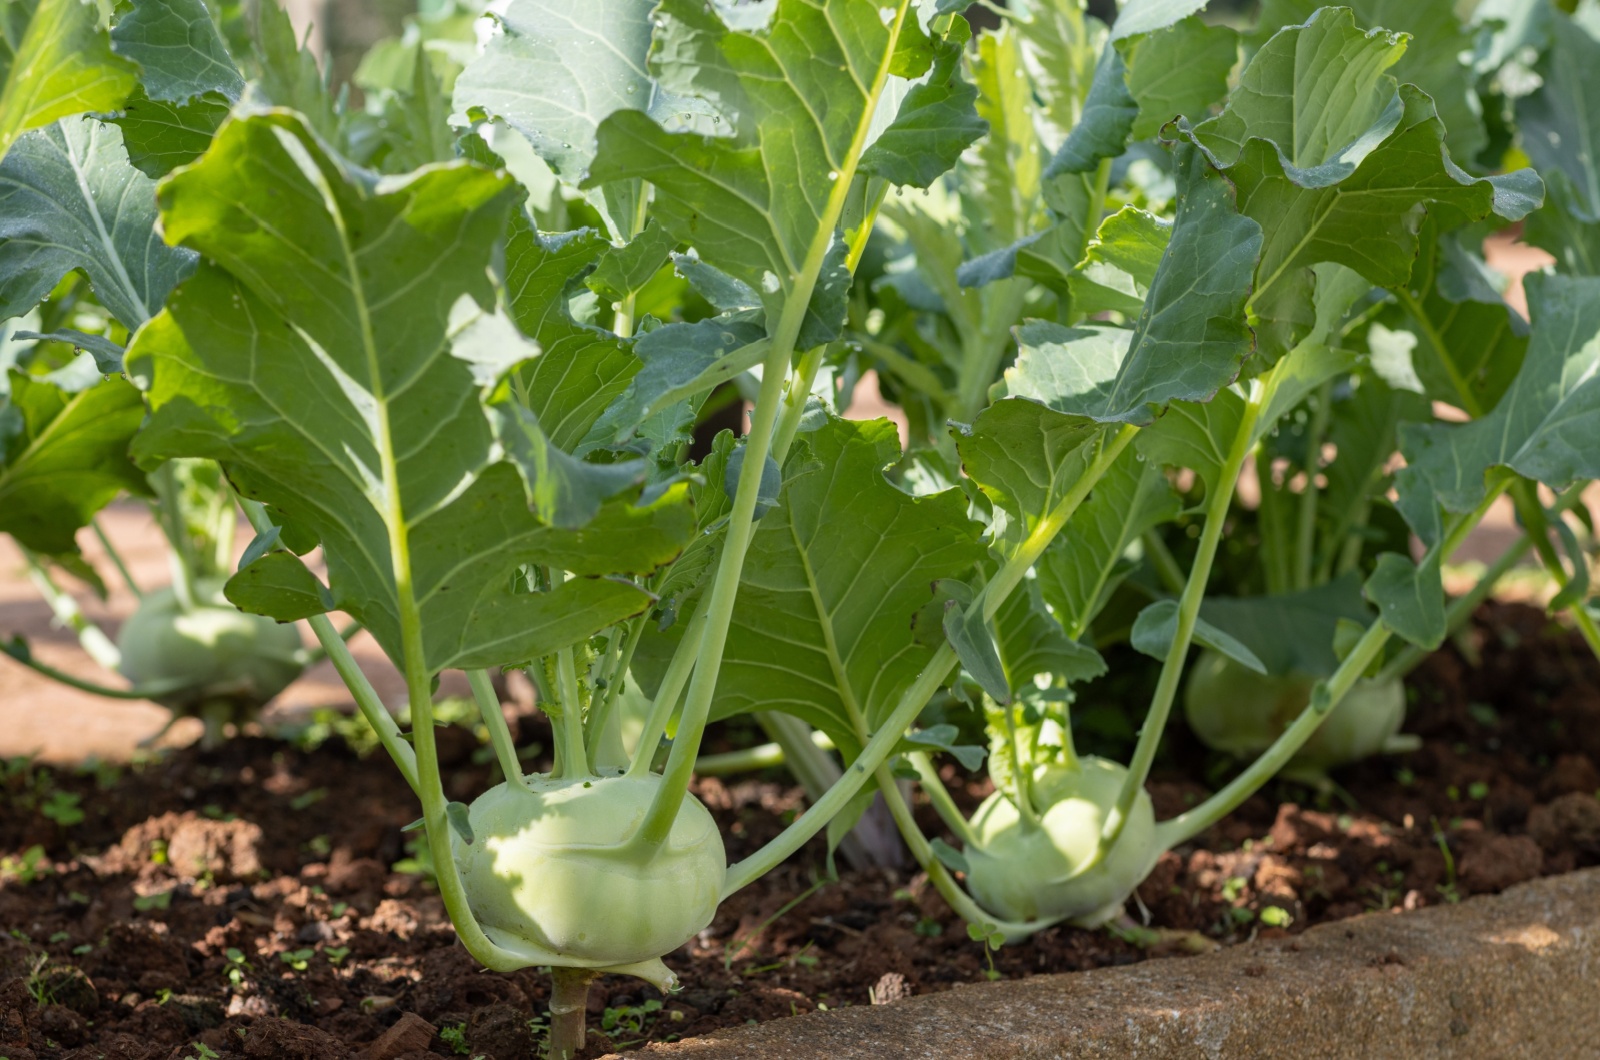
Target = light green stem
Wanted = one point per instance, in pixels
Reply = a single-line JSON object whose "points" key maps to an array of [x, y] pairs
{"points": [[168, 509], [746, 760], [116, 559], [69, 614], [152, 691], [333, 645], [939, 797], [671, 687], [1162, 559], [1188, 611], [616, 676], [505, 749]]}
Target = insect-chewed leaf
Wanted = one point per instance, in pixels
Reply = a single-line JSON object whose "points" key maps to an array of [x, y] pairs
{"points": [[70, 200], [836, 576], [60, 64], [557, 69], [1333, 158], [1025, 456], [309, 354], [63, 457]]}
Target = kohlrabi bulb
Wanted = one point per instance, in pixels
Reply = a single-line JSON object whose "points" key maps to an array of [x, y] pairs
{"points": [[218, 653], [1232, 708], [1021, 872], [549, 871]]}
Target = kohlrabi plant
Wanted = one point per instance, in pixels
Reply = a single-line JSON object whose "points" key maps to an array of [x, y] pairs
{"points": [[470, 353], [82, 267]]}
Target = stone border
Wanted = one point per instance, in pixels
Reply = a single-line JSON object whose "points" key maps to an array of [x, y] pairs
{"points": [[1502, 976]]}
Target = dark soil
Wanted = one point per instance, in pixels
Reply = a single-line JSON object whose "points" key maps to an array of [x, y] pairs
{"points": [[247, 903]]}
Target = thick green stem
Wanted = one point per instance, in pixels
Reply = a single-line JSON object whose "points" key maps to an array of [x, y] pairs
{"points": [[69, 614], [939, 797], [1188, 611], [958, 899], [1324, 698], [1021, 774], [747, 760], [574, 758], [569, 1011], [933, 676], [758, 446], [333, 645], [116, 559], [505, 749]]}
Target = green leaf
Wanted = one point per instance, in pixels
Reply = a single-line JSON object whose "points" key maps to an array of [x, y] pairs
{"points": [[1157, 625], [1291, 632], [1032, 642], [1469, 342], [107, 354], [1086, 562], [1410, 597], [566, 492], [62, 65], [837, 574], [1432, 59], [622, 271], [1180, 70], [1108, 116], [1121, 263], [943, 738], [1195, 435], [581, 370], [1560, 126], [1147, 16], [969, 634], [279, 586], [1190, 337], [311, 358], [178, 49], [63, 457], [935, 123], [1025, 456], [162, 136], [1544, 428], [69, 200], [556, 70], [799, 95], [1333, 161]]}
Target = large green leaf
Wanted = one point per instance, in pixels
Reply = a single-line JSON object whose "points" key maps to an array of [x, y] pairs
{"points": [[799, 96], [1121, 263], [825, 624], [1191, 336], [1025, 456], [1291, 632], [61, 65], [1560, 126], [1333, 160], [556, 70], [309, 355], [178, 49], [582, 369], [1546, 426], [70, 200], [63, 457], [1180, 70], [1085, 563], [1432, 59]]}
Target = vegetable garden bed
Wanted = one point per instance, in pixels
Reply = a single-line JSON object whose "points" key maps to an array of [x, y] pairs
{"points": [[288, 912]]}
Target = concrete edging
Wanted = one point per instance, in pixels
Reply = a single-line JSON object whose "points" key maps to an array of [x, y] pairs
{"points": [[1503, 976]]}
